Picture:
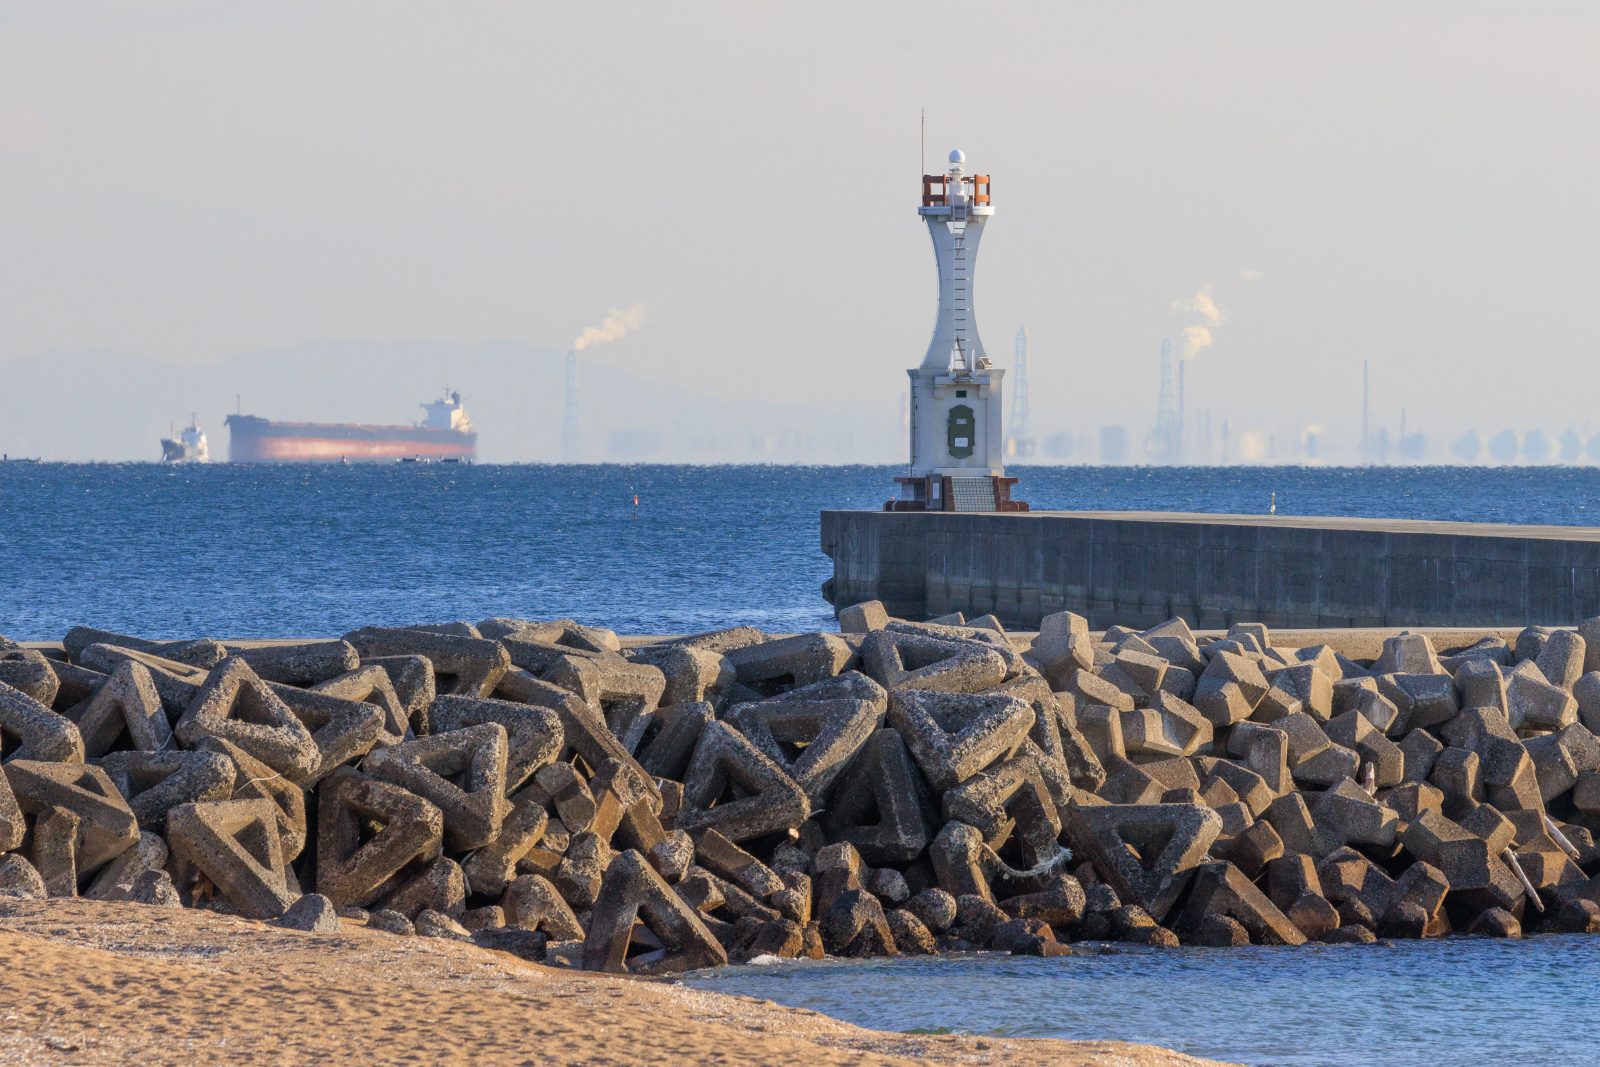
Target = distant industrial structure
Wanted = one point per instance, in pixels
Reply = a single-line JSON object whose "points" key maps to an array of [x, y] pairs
{"points": [[1020, 443], [1166, 444], [957, 431]]}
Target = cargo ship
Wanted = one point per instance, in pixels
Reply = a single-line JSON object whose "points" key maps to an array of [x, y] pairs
{"points": [[188, 446], [445, 435]]}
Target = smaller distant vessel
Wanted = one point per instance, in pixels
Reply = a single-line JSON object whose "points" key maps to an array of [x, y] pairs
{"points": [[188, 446]]}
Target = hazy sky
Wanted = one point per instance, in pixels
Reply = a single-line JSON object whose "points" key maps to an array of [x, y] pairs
{"points": [[1416, 184]]}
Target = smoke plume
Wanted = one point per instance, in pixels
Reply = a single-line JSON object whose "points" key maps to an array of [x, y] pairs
{"points": [[1194, 337], [617, 324]]}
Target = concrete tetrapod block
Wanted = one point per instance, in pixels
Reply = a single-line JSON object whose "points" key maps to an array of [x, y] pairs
{"points": [[462, 665], [313, 913], [532, 903], [730, 786], [533, 733], [1422, 700], [234, 843], [772, 667], [27, 671], [623, 694], [561, 788], [432, 767], [176, 683], [996, 639], [665, 752], [491, 868], [1407, 654], [54, 853], [1293, 885], [1482, 684], [1089, 736], [19, 879], [75, 685], [1533, 703], [855, 925], [584, 732], [372, 685], [692, 674], [1347, 813], [1229, 689], [107, 824], [127, 704], [728, 861], [12, 825], [440, 887], [203, 653], [1474, 872], [342, 730], [953, 736], [1009, 796], [812, 740], [863, 618], [147, 855], [34, 732], [1308, 684], [238, 707], [1562, 658], [414, 686], [254, 780], [156, 782], [1147, 852], [301, 663], [919, 661], [1221, 889], [356, 869], [632, 892], [881, 805]]}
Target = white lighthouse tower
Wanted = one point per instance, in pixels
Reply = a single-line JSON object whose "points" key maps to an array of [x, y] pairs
{"points": [[957, 439]]}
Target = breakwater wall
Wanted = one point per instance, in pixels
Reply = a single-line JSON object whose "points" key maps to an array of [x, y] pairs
{"points": [[1139, 568]]}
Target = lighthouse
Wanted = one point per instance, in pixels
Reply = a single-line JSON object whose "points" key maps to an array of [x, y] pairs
{"points": [[957, 435]]}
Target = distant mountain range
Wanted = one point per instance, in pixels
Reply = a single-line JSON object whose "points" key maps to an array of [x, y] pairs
{"points": [[114, 407]]}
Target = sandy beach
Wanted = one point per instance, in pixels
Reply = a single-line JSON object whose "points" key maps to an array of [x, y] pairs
{"points": [[93, 983]]}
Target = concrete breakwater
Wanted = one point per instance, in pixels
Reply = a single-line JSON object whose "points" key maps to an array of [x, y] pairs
{"points": [[1139, 568], [901, 787]]}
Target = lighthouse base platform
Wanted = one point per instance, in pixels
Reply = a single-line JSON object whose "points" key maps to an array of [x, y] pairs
{"points": [[934, 492]]}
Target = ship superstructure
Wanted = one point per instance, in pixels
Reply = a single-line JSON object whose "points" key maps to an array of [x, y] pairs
{"points": [[444, 435]]}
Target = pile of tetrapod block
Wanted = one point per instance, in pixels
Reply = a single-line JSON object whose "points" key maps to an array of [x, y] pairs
{"points": [[907, 787]]}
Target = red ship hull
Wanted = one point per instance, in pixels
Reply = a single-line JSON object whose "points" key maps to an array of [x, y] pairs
{"points": [[256, 440]]}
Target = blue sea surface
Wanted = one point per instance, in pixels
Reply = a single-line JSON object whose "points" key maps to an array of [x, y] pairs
{"points": [[1456, 1002], [257, 551]]}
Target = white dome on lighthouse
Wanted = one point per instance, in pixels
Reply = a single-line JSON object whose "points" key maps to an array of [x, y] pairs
{"points": [[957, 156]]}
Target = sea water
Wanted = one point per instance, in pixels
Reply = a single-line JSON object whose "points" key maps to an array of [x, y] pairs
{"points": [[1443, 1003], [258, 551]]}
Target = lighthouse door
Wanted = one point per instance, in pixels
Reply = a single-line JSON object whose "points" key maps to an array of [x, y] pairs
{"points": [[961, 430]]}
